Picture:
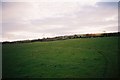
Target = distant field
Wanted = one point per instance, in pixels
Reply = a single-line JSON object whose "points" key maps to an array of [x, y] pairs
{"points": [[74, 58]]}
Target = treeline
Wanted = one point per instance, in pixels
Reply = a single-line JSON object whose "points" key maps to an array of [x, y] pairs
{"points": [[66, 37]]}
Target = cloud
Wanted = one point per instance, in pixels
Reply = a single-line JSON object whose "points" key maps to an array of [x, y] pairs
{"points": [[85, 1], [0, 21], [109, 1], [28, 20]]}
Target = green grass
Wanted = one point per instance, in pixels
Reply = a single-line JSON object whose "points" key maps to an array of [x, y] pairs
{"points": [[74, 58]]}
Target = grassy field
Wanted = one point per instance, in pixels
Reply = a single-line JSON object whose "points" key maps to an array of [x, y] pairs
{"points": [[74, 58]]}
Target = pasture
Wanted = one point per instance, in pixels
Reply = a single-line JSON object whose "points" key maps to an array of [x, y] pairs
{"points": [[73, 58]]}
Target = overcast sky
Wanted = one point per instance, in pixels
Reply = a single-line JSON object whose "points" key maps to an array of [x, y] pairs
{"points": [[31, 20]]}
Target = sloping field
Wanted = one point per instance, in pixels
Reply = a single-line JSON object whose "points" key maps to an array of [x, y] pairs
{"points": [[74, 58]]}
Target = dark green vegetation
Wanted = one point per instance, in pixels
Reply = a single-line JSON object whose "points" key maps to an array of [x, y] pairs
{"points": [[74, 58], [115, 34]]}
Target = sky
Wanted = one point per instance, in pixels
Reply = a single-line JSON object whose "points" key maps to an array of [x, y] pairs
{"points": [[28, 19]]}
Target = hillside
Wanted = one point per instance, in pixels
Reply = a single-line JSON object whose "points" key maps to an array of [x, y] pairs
{"points": [[73, 58]]}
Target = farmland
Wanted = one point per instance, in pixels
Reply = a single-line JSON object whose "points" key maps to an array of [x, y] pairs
{"points": [[72, 58]]}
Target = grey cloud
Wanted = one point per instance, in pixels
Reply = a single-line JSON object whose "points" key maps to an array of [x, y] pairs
{"points": [[109, 1], [86, 17], [91, 16], [108, 4]]}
